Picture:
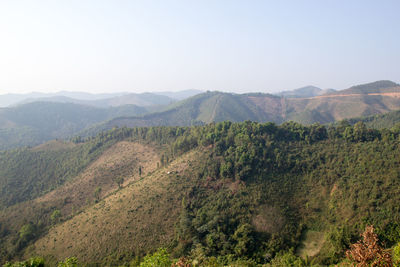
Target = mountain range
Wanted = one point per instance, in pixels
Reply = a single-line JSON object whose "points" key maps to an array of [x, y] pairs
{"points": [[99, 100], [376, 98], [44, 119], [206, 182], [307, 91]]}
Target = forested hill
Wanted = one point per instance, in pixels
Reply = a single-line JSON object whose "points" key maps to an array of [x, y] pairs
{"points": [[98, 100], [205, 108], [224, 193], [141, 100], [38, 122], [370, 88], [35, 123], [363, 100], [380, 121], [307, 91]]}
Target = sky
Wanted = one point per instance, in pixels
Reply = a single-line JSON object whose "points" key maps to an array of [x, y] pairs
{"points": [[102, 46]]}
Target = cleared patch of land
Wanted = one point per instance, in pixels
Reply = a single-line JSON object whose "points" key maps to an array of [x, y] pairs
{"points": [[122, 160], [54, 145], [311, 244], [138, 217]]}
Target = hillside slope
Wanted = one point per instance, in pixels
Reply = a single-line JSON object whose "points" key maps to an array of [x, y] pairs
{"points": [[219, 106], [368, 88], [226, 190], [206, 108], [307, 91], [35, 123], [114, 164], [97, 100], [334, 108], [142, 224], [381, 121]]}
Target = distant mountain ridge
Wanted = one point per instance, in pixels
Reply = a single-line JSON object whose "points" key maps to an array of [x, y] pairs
{"points": [[142, 100], [180, 95], [38, 122], [98, 100], [13, 99], [42, 121], [304, 92], [206, 108], [218, 106], [374, 87], [307, 91]]}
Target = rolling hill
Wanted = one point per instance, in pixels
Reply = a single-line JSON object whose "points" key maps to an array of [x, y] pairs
{"points": [[141, 100], [218, 106], [369, 88], [99, 100], [7, 100], [307, 91], [224, 193], [380, 121], [35, 123], [205, 108]]}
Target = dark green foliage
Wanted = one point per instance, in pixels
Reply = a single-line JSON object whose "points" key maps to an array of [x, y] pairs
{"points": [[259, 186], [380, 121], [40, 262], [97, 193], [32, 262], [69, 262], [160, 258], [27, 233], [26, 174], [55, 216]]}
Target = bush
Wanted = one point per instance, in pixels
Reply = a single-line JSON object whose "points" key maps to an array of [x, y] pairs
{"points": [[32, 262], [396, 255], [160, 258]]}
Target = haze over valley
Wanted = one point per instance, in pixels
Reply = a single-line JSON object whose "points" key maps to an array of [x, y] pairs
{"points": [[199, 133]]}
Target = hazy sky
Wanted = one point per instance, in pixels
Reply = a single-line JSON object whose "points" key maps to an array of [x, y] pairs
{"points": [[238, 46]]}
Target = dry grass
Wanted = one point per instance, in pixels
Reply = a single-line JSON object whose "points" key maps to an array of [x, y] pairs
{"points": [[54, 145], [140, 216], [311, 244], [121, 160]]}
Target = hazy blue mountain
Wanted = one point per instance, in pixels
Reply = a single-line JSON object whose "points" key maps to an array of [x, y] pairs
{"points": [[180, 95], [142, 99], [37, 122], [307, 91], [7, 100], [368, 88], [218, 106]]}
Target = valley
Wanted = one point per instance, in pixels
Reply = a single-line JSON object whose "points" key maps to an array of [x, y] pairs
{"points": [[199, 133], [225, 192]]}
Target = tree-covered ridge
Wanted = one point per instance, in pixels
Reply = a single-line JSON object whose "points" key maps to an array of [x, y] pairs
{"points": [[34, 123], [380, 121], [219, 106], [27, 173], [374, 87], [251, 193]]}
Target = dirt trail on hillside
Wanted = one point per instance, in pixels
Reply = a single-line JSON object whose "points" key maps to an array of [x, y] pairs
{"points": [[393, 94]]}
